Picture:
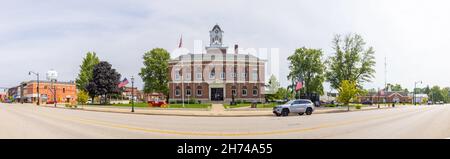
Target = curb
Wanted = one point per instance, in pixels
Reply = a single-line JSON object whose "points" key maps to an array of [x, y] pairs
{"points": [[212, 114]]}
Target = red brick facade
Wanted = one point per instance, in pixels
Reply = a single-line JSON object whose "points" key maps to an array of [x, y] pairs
{"points": [[215, 75], [66, 92]]}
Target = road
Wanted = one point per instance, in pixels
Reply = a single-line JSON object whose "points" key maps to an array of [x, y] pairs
{"points": [[29, 121]]}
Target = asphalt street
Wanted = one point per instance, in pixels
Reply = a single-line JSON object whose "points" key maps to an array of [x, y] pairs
{"points": [[30, 121]]}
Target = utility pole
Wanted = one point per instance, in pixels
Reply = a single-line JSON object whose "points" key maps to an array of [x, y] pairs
{"points": [[132, 93], [385, 81], [38, 94], [414, 94]]}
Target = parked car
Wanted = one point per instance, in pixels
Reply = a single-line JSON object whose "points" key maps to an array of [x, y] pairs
{"points": [[299, 106], [367, 103]]}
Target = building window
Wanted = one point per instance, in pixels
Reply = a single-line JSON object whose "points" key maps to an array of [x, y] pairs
{"points": [[188, 92], [243, 76], [233, 75], [212, 75], [177, 92], [198, 73], [177, 75], [199, 91], [188, 74], [255, 91], [222, 75], [64, 90], [233, 92], [255, 75], [244, 92], [45, 87]]}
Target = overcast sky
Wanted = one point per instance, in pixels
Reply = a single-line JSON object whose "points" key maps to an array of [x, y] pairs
{"points": [[414, 35]]}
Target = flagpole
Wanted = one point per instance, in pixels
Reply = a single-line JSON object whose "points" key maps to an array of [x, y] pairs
{"points": [[182, 82]]}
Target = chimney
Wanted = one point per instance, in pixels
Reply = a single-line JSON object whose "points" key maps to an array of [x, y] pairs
{"points": [[236, 49]]}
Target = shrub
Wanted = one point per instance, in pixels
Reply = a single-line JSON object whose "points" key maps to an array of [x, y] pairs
{"points": [[358, 106]]}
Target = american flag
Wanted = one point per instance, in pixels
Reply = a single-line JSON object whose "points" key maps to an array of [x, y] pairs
{"points": [[123, 83], [299, 86]]}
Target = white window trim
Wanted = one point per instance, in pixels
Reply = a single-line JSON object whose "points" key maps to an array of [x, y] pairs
{"points": [[201, 92], [177, 75], [177, 94], [222, 75], [257, 92], [188, 94], [199, 76], [211, 76], [246, 92]]}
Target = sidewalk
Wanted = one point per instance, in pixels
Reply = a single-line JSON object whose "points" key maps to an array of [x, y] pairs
{"points": [[217, 110]]}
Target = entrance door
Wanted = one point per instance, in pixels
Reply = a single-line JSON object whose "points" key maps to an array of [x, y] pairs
{"points": [[217, 94]]}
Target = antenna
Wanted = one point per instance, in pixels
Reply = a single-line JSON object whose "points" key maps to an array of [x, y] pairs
{"points": [[385, 72]]}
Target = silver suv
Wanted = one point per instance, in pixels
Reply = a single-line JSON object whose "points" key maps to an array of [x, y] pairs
{"points": [[299, 106]]}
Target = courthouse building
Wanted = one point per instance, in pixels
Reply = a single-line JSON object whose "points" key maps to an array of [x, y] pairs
{"points": [[217, 75]]}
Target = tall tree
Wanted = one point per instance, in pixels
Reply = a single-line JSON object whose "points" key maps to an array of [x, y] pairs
{"points": [[104, 82], [86, 69], [351, 61], [155, 72], [307, 64], [436, 94]]}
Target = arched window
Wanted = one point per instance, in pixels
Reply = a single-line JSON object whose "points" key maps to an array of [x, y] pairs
{"points": [[188, 91], [255, 91], [199, 91], [177, 91], [244, 91]]}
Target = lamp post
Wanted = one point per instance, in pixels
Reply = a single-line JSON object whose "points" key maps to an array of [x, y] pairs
{"points": [[414, 94], [132, 93], [54, 92], [38, 94]]}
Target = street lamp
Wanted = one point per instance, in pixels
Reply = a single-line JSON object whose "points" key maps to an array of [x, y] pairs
{"points": [[132, 93], [414, 94], [38, 94]]}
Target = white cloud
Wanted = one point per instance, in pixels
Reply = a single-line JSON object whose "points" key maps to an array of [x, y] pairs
{"points": [[41, 35]]}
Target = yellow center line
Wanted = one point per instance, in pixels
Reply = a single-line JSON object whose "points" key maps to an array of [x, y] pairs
{"points": [[174, 132]]}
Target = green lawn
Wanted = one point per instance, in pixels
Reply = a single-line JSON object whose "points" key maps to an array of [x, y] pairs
{"points": [[268, 105], [189, 105], [170, 105], [129, 105]]}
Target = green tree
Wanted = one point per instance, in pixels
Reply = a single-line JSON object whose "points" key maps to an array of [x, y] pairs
{"points": [[395, 87], [283, 93], [348, 91], [436, 94], [155, 72], [82, 97], [351, 61], [445, 93], [86, 69], [306, 64], [104, 82], [272, 86]]}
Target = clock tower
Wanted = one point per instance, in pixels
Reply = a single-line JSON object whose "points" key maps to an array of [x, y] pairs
{"points": [[215, 41]]}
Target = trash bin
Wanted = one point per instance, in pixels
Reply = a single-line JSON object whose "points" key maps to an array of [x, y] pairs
{"points": [[254, 104]]}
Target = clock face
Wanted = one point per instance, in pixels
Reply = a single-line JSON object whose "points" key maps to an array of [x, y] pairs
{"points": [[217, 31]]}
